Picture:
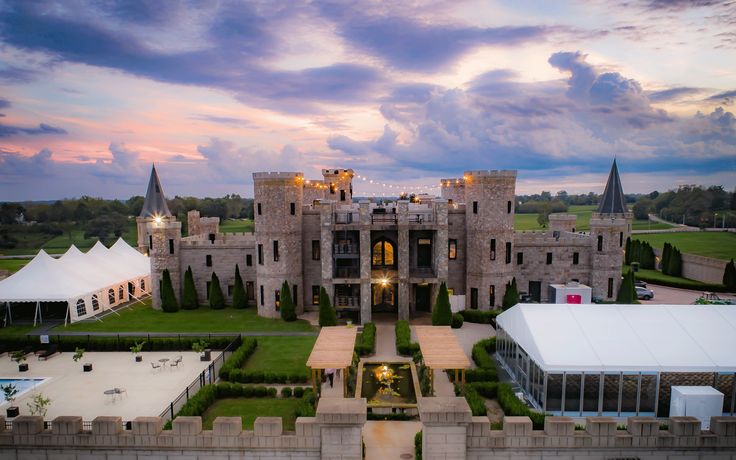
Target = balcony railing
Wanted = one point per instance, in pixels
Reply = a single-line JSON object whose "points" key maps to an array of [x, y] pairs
{"points": [[347, 217], [421, 218], [347, 272], [422, 272], [346, 249], [383, 218], [347, 301]]}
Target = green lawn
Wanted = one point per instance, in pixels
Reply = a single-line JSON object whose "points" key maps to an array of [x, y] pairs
{"points": [[250, 408], [719, 245], [647, 225], [13, 265], [529, 221], [657, 277], [29, 243], [236, 225], [143, 318], [281, 354], [15, 330]]}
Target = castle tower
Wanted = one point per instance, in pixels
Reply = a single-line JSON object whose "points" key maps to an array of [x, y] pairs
{"points": [[278, 231], [154, 209], [340, 185], [609, 228], [489, 217]]}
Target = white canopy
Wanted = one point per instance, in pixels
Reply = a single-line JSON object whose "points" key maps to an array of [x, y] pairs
{"points": [[639, 338]]}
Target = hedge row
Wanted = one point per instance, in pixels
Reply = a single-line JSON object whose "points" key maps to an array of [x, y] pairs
{"points": [[418, 446], [232, 370], [366, 341], [504, 394], [404, 345], [482, 352], [397, 417], [682, 283], [101, 343], [480, 316]]}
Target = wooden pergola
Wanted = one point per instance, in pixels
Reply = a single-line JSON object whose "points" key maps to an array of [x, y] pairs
{"points": [[333, 350], [441, 350]]}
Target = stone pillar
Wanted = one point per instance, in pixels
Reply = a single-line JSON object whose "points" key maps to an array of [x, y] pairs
{"points": [[67, 424], [440, 240], [402, 252], [27, 424], [445, 430], [560, 431], [326, 227], [602, 431], [365, 262], [341, 423]]}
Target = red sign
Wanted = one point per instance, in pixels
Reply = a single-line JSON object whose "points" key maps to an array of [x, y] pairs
{"points": [[574, 298]]}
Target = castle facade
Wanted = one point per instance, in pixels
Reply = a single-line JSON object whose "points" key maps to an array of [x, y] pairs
{"points": [[386, 257]]}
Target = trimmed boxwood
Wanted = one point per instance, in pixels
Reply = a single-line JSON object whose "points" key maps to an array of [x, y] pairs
{"points": [[482, 352], [238, 358], [232, 370], [418, 446], [114, 343], [476, 392], [365, 344], [404, 345], [480, 316], [457, 321]]}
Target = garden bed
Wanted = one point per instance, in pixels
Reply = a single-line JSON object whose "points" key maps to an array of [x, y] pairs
{"points": [[248, 409]]}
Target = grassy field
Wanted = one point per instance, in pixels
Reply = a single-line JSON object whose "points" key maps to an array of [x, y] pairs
{"points": [[236, 225], [29, 243], [719, 245], [143, 318], [15, 330], [13, 265], [647, 225], [529, 221], [281, 354], [657, 277], [250, 408]]}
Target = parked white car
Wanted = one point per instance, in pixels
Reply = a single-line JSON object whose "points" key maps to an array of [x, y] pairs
{"points": [[644, 293]]}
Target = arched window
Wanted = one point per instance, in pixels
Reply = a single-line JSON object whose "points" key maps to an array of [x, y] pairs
{"points": [[143, 285], [121, 293], [95, 303], [111, 296], [383, 254], [81, 308]]}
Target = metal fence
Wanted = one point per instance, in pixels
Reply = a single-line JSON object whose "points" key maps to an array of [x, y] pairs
{"points": [[206, 377]]}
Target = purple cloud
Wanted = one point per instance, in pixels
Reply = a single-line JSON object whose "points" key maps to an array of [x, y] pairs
{"points": [[43, 129]]}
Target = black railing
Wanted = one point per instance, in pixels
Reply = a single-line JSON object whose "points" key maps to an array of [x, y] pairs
{"points": [[346, 249], [347, 272], [206, 377], [347, 301], [422, 271], [421, 218], [86, 425], [383, 218]]}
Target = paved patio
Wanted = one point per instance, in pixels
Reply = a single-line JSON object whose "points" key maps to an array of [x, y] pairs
{"points": [[74, 392]]}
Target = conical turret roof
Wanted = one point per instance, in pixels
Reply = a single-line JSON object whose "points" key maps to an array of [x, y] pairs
{"points": [[155, 203], [613, 200]]}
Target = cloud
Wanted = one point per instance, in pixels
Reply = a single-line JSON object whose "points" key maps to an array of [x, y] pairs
{"points": [[725, 97], [4, 103], [14, 164], [42, 129], [673, 94], [221, 120]]}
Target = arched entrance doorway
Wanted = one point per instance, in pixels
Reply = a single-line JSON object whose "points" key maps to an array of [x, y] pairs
{"points": [[384, 297]]}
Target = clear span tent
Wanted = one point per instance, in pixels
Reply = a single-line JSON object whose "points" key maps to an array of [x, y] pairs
{"points": [[617, 359], [88, 283]]}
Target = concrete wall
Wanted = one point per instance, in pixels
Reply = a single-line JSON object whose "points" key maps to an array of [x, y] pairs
{"points": [[704, 269]]}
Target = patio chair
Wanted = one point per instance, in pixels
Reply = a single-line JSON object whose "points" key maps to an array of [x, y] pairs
{"points": [[120, 391], [46, 354], [179, 359], [174, 363], [155, 366]]}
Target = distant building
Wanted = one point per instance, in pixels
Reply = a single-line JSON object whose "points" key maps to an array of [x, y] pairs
{"points": [[390, 257]]}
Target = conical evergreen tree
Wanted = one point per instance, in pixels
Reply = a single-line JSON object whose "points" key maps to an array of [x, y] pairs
{"points": [[239, 300], [627, 291], [674, 265], [217, 300], [168, 298], [288, 310], [442, 312], [729, 276], [665, 263], [327, 314], [511, 296], [189, 299]]}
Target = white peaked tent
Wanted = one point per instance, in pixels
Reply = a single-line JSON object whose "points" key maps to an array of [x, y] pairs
{"points": [[88, 282]]}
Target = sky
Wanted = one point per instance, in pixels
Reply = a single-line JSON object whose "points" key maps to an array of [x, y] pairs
{"points": [[405, 93]]}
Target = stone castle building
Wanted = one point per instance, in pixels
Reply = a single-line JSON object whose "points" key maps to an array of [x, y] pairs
{"points": [[386, 257]]}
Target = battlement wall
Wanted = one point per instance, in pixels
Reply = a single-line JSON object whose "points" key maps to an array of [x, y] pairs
{"points": [[277, 175]]}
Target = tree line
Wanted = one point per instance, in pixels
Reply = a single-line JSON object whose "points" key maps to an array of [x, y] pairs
{"points": [[692, 205]]}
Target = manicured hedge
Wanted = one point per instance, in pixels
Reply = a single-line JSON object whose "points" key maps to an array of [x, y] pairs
{"points": [[480, 316], [476, 392], [232, 370], [397, 417], [404, 345], [681, 283], [457, 321], [481, 375], [365, 344], [115, 343], [418, 446], [307, 405], [482, 352], [236, 361]]}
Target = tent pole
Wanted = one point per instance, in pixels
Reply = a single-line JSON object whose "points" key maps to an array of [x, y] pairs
{"points": [[10, 313], [35, 315], [40, 317], [66, 316]]}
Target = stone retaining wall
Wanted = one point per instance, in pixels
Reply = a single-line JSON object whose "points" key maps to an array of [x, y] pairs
{"points": [[700, 268]]}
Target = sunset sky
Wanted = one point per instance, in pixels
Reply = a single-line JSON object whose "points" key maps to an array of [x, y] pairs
{"points": [[406, 93]]}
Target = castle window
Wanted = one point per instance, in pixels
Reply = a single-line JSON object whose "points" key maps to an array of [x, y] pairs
{"points": [[121, 293], [275, 251], [258, 207], [342, 195], [508, 253], [315, 295], [208, 260], [230, 290], [212, 238], [294, 295], [474, 298], [519, 258], [81, 308], [575, 258], [95, 303], [475, 207], [249, 291], [549, 258], [150, 242], [207, 290], [620, 239], [111, 296], [610, 287], [248, 260], [452, 249], [292, 208], [333, 189], [492, 296], [261, 295], [171, 246], [277, 299], [260, 254], [493, 248], [143, 285], [316, 250], [508, 207], [383, 254], [600, 242]]}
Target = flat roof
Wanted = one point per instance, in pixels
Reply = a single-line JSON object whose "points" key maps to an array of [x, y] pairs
{"points": [[440, 348], [638, 338], [334, 348]]}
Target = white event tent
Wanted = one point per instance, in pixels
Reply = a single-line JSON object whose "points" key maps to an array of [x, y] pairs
{"points": [[88, 282]]}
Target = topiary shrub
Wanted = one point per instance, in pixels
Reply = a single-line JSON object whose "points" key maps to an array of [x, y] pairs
{"points": [[404, 345], [168, 298], [287, 308], [418, 446], [189, 299], [480, 316], [442, 313], [286, 392], [239, 300], [327, 314], [365, 344], [729, 276], [457, 321], [627, 290], [217, 300], [511, 295]]}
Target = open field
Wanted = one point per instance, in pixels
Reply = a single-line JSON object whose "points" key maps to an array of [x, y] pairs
{"points": [[529, 221], [250, 408], [29, 243], [719, 245], [236, 225], [142, 318], [13, 265], [281, 355]]}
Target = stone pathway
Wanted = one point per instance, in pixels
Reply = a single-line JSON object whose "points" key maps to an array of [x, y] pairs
{"points": [[390, 440]]}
